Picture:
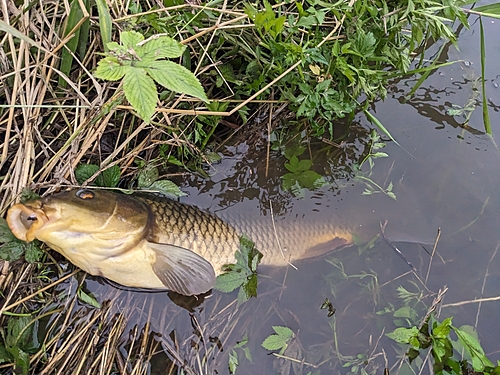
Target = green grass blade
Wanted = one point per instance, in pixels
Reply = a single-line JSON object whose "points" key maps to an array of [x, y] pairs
{"points": [[84, 33], [486, 115], [383, 129], [75, 16], [104, 22]]}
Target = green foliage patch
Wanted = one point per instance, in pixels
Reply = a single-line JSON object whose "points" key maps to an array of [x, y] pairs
{"points": [[243, 274]]}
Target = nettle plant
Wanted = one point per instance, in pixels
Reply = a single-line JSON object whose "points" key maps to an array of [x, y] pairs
{"points": [[141, 63]]}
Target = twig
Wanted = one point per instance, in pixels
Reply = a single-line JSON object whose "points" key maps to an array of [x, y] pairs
{"points": [[432, 255]]}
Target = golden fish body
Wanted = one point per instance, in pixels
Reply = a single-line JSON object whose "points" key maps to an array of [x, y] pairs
{"points": [[151, 242]]}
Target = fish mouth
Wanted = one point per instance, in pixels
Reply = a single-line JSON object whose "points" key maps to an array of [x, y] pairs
{"points": [[24, 221]]}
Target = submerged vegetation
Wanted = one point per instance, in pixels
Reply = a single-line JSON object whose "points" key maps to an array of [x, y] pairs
{"points": [[118, 94]]}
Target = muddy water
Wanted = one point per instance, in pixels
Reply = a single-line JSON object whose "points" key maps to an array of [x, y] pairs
{"points": [[445, 176]]}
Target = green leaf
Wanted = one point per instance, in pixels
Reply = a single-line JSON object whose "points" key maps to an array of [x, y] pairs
{"points": [[442, 330], [5, 234], [5, 356], [21, 360], [147, 176], [28, 195], [283, 331], [84, 171], [243, 273], [111, 69], [227, 282], [403, 335], [248, 289], [176, 78], [473, 347], [32, 252], [168, 188], [233, 361], [89, 299], [109, 177], [105, 23], [304, 165], [75, 16], [279, 341], [12, 251], [140, 91], [130, 39], [160, 47], [274, 342], [491, 9], [293, 165]]}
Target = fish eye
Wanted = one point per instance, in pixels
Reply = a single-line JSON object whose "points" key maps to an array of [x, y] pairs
{"points": [[85, 194], [32, 217]]}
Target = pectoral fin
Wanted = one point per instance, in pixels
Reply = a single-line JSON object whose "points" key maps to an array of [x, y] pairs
{"points": [[182, 270]]}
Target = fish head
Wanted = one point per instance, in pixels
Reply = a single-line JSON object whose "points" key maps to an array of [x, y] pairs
{"points": [[83, 218]]}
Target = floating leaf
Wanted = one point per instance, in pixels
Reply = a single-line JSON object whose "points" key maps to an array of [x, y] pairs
{"points": [[278, 341]]}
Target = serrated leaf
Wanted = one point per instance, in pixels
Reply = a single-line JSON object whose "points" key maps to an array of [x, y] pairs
{"points": [[310, 179], [227, 282], [473, 347], [21, 360], [293, 164], [248, 289], [273, 342], [443, 330], [284, 332], [28, 195], [109, 177], [11, 251], [130, 39], [5, 356], [147, 176], [5, 234], [403, 335], [159, 48], [111, 69], [32, 252], [176, 78], [88, 299], [167, 188], [84, 171], [304, 165], [140, 91]]}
